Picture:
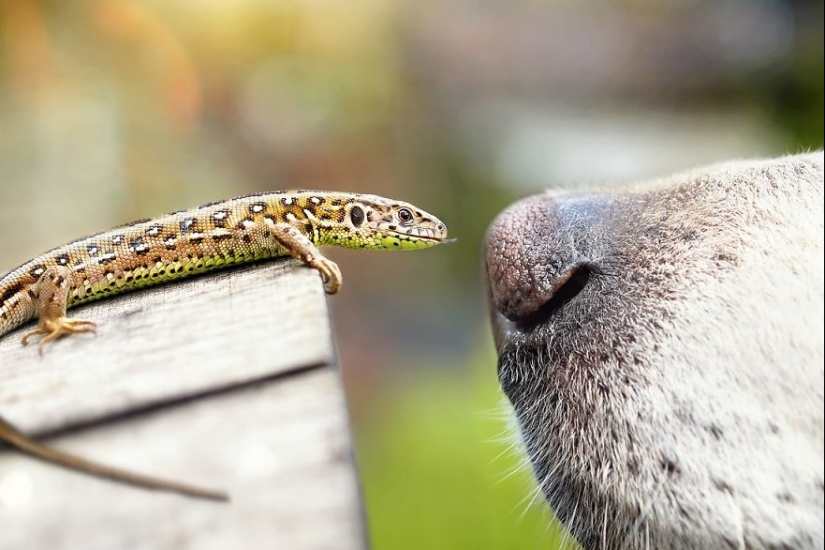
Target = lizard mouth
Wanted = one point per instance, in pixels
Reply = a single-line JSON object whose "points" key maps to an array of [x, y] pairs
{"points": [[422, 236], [439, 240]]}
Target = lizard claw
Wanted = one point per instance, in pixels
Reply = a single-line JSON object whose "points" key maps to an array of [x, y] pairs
{"points": [[54, 329], [331, 274]]}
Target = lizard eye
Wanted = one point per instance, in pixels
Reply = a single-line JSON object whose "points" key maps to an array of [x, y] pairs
{"points": [[405, 215], [357, 216]]}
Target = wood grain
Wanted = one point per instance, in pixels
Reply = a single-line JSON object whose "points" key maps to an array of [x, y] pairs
{"points": [[228, 381], [169, 342]]}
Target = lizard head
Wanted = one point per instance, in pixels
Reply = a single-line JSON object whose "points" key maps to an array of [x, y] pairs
{"points": [[373, 222]]}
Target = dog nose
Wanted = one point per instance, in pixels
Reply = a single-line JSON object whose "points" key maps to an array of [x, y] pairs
{"points": [[538, 255]]}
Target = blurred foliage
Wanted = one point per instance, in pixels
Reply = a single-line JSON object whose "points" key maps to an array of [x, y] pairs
{"points": [[113, 110], [797, 101], [448, 475]]}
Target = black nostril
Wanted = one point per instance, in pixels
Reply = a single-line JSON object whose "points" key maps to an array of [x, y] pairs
{"points": [[566, 288]]}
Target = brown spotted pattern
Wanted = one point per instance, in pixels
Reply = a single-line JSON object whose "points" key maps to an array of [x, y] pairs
{"points": [[212, 236]]}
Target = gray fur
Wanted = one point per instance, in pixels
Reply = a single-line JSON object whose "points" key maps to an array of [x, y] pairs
{"points": [[677, 400]]}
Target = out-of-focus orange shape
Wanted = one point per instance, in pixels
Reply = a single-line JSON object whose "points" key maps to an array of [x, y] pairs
{"points": [[133, 23], [28, 49]]}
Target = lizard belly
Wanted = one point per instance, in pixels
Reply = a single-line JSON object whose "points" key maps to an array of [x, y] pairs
{"points": [[158, 270]]}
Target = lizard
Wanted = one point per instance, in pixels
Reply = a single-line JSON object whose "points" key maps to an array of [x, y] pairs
{"points": [[191, 242]]}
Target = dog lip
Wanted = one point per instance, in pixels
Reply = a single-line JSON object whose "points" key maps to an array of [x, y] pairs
{"points": [[503, 330]]}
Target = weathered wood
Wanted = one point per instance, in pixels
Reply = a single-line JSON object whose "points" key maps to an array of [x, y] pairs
{"points": [[167, 343], [227, 381]]}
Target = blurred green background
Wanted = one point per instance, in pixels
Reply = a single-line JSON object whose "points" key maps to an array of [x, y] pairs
{"points": [[116, 110]]}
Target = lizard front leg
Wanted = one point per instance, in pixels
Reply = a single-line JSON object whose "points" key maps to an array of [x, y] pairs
{"points": [[51, 296], [298, 245]]}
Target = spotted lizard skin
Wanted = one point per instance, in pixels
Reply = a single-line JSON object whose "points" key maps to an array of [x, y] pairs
{"points": [[213, 236]]}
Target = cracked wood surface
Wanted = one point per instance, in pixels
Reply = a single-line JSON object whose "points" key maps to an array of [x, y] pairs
{"points": [[228, 380]]}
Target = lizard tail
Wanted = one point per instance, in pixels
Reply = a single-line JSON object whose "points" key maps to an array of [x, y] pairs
{"points": [[13, 437]]}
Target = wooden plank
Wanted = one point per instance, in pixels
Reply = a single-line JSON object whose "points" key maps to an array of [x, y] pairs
{"points": [[227, 381], [280, 448], [168, 343]]}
